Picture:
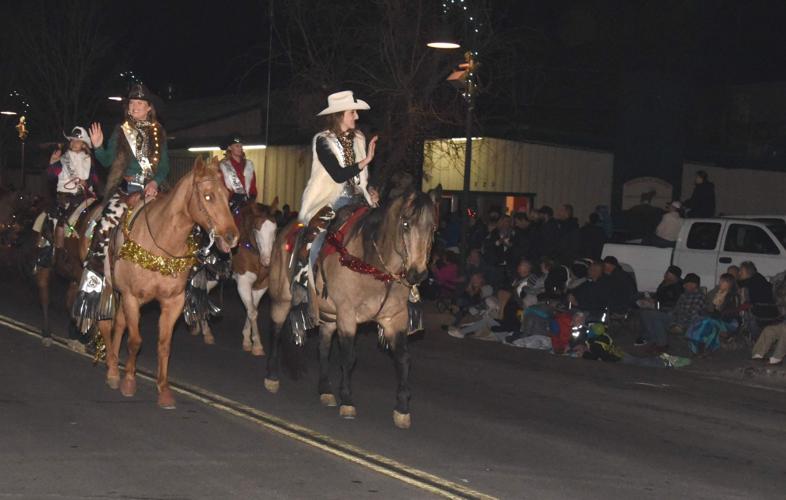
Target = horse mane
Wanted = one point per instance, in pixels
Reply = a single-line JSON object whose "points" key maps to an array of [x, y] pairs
{"points": [[369, 225]]}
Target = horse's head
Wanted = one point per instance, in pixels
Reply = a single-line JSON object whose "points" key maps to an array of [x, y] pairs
{"points": [[258, 225], [416, 222], [209, 204]]}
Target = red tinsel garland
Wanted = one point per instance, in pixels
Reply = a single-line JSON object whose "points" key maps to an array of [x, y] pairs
{"points": [[358, 265]]}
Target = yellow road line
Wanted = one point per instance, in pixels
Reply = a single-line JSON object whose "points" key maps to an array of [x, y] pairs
{"points": [[378, 463]]}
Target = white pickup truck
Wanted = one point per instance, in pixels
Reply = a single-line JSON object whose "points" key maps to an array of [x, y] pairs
{"points": [[708, 247]]}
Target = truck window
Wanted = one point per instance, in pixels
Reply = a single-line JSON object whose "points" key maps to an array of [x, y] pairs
{"points": [[703, 235], [749, 239]]}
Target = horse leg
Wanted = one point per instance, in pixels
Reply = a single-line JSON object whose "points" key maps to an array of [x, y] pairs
{"points": [[113, 347], [346, 340], [244, 282], [326, 396], [401, 358], [131, 312], [207, 332], [42, 282], [170, 311], [256, 343], [278, 314]]}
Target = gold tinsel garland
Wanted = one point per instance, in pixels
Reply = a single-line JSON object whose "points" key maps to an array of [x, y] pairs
{"points": [[168, 266]]}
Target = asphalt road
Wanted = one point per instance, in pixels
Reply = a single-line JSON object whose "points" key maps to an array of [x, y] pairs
{"points": [[507, 422]]}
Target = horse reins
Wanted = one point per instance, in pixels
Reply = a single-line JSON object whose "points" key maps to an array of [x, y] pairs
{"points": [[200, 205]]}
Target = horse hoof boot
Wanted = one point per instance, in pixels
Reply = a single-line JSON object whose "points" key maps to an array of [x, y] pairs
{"points": [[246, 347], [346, 411], [113, 381], [272, 385], [402, 420], [128, 387], [209, 340], [258, 350], [166, 400], [328, 400]]}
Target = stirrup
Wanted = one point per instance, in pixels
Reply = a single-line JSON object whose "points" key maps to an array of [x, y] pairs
{"points": [[85, 310]]}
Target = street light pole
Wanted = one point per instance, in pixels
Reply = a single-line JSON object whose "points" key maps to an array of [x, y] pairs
{"points": [[469, 97]]}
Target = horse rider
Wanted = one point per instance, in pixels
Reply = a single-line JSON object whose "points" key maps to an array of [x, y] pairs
{"points": [[239, 174], [73, 179], [138, 160], [339, 177]]}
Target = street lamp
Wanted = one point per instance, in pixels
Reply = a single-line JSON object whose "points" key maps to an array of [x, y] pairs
{"points": [[465, 80]]}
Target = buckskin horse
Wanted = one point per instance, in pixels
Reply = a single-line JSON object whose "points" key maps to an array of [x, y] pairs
{"points": [[369, 277], [152, 262]]}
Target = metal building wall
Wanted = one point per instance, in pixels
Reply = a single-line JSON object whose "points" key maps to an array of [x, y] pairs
{"points": [[555, 174], [740, 191]]}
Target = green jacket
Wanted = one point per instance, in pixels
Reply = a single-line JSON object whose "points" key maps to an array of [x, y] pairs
{"points": [[106, 155]]}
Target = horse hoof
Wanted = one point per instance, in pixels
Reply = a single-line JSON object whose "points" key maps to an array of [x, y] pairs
{"points": [[246, 347], [258, 350], [128, 387], [272, 385], [113, 382], [328, 400], [166, 401], [402, 420], [348, 412], [210, 340]]}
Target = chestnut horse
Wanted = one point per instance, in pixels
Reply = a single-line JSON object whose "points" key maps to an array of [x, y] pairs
{"points": [[161, 228], [396, 240]]}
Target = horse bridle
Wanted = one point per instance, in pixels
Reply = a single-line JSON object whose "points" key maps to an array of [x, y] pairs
{"points": [[403, 230], [200, 206]]}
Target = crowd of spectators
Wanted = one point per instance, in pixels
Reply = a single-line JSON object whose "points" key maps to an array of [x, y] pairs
{"points": [[526, 269]]}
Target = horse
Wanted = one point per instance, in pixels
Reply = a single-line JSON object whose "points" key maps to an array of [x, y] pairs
{"points": [[67, 264], [156, 267], [250, 269], [391, 245]]}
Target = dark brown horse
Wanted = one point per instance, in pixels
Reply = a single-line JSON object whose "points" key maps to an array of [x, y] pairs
{"points": [[395, 240], [161, 231]]}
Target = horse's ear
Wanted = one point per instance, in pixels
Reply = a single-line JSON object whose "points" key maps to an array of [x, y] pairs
{"points": [[274, 205], [436, 194], [409, 198], [199, 166]]}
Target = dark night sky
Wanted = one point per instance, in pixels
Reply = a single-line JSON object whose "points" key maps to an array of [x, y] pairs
{"points": [[205, 47]]}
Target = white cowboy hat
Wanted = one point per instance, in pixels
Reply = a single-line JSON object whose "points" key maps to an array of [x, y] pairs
{"points": [[343, 101], [79, 134]]}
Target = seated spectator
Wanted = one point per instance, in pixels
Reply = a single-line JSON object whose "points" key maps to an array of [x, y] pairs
{"points": [[668, 291], [591, 295], [757, 297], [472, 299], [555, 279], [477, 264], [592, 237], [668, 230], [657, 323], [772, 338], [578, 273], [512, 299], [721, 317], [445, 271], [621, 287]]}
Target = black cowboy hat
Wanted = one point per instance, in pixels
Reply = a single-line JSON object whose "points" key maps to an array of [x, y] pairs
{"points": [[232, 139], [140, 92]]}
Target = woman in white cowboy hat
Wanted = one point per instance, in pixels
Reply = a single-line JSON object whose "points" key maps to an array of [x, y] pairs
{"points": [[339, 174], [340, 158]]}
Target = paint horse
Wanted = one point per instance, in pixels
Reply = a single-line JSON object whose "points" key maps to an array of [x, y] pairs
{"points": [[150, 260], [368, 277], [250, 269]]}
